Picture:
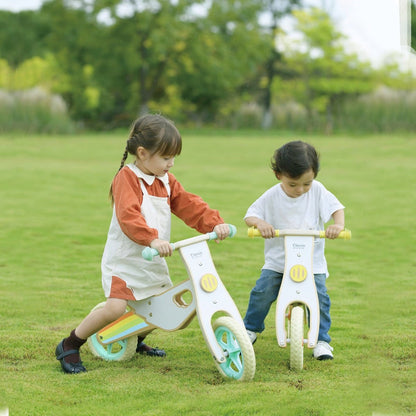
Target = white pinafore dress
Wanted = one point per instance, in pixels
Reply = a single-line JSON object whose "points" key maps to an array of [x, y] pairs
{"points": [[122, 257]]}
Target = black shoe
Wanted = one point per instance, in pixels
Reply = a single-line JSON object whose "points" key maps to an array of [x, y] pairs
{"points": [[142, 348], [70, 368]]}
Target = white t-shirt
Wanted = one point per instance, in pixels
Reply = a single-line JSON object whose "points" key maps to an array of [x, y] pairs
{"points": [[309, 211]]}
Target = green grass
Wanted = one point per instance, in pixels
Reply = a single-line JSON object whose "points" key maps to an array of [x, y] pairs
{"points": [[54, 219]]}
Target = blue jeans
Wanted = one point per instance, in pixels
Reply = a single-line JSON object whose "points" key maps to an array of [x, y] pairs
{"points": [[265, 293]]}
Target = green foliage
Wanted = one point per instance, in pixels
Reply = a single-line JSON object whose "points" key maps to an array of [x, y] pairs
{"points": [[413, 24], [26, 31], [156, 56], [73, 39], [55, 216], [328, 74], [212, 63], [271, 64], [33, 72], [228, 50], [5, 74]]}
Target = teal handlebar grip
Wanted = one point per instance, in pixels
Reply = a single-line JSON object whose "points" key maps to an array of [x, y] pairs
{"points": [[148, 253], [233, 232]]}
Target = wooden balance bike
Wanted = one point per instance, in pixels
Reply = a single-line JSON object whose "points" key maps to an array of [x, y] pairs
{"points": [[172, 310], [297, 305]]}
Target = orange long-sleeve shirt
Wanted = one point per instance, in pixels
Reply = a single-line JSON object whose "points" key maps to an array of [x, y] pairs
{"points": [[128, 197]]}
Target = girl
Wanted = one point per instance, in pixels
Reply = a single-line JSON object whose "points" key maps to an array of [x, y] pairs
{"points": [[144, 194], [298, 201]]}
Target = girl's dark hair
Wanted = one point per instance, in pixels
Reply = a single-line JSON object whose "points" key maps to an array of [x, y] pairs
{"points": [[295, 158], [156, 134]]}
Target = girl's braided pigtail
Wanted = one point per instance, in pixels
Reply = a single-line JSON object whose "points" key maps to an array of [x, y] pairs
{"points": [[123, 160]]}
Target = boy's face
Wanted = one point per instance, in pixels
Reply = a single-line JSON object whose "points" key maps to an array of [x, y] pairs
{"points": [[295, 187]]}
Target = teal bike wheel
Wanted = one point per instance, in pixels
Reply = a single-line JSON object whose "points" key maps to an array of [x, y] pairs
{"points": [[240, 363], [122, 350]]}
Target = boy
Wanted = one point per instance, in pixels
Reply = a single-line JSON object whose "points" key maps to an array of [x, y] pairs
{"points": [[297, 202]]}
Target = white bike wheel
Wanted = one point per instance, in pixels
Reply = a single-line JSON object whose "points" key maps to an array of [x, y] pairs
{"points": [[296, 339], [240, 363], [121, 350]]}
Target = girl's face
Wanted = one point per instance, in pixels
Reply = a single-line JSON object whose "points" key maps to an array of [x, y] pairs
{"points": [[294, 188], [156, 164]]}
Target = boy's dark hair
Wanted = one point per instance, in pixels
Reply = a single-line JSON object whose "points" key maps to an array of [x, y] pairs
{"points": [[295, 158]]}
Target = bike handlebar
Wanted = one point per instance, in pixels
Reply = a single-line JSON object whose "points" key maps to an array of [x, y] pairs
{"points": [[345, 235], [148, 253]]}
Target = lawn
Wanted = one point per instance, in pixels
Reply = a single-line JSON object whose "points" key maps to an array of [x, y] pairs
{"points": [[55, 217]]}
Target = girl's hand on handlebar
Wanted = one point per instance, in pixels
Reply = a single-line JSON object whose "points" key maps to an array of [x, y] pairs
{"points": [[333, 231], [162, 246], [222, 231]]}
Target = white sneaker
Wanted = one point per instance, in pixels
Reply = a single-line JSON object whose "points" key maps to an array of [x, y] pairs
{"points": [[323, 351], [252, 335]]}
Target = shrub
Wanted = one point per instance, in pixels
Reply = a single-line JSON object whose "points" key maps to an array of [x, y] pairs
{"points": [[34, 111], [384, 110]]}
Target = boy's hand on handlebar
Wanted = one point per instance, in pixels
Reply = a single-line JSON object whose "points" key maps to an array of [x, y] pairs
{"points": [[333, 231], [162, 246], [222, 231], [266, 229]]}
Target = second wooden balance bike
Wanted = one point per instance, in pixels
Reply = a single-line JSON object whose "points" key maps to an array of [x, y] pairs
{"points": [[172, 310], [297, 304]]}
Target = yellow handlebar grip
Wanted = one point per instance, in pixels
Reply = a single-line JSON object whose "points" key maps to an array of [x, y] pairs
{"points": [[253, 232], [345, 235]]}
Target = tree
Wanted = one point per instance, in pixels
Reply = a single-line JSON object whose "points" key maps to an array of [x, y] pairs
{"points": [[225, 50], [413, 24], [161, 50], [21, 36], [275, 11], [73, 38], [327, 73], [146, 43]]}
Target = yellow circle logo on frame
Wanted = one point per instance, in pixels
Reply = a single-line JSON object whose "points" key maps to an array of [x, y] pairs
{"points": [[208, 282], [298, 273]]}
